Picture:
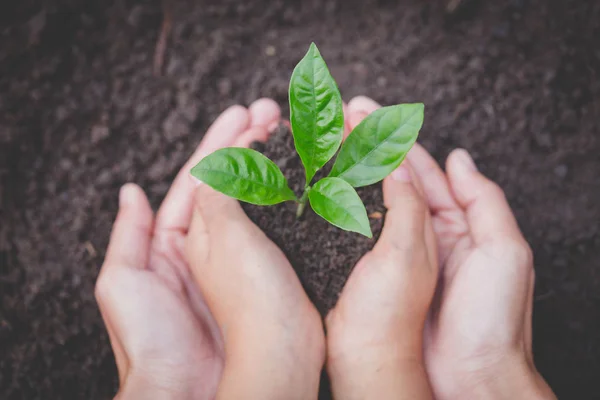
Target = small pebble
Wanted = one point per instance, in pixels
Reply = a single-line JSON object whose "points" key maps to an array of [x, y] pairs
{"points": [[270, 51], [376, 215]]}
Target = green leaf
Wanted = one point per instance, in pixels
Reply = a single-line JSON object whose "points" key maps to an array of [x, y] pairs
{"points": [[316, 112], [378, 144], [337, 202], [244, 174]]}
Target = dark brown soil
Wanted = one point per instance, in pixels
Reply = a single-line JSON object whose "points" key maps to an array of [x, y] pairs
{"points": [[322, 255], [515, 82]]}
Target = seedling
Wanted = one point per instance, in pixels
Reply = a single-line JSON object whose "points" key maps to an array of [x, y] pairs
{"points": [[373, 150]]}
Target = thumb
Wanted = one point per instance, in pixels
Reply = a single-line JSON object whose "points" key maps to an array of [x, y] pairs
{"points": [[375, 332], [220, 233], [127, 251], [399, 275], [408, 242], [213, 213], [408, 216]]}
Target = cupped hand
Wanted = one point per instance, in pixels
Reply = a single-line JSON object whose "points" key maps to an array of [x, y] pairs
{"points": [[166, 342], [375, 331], [273, 335], [477, 340]]}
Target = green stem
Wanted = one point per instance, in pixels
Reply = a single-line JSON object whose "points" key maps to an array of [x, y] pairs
{"points": [[302, 202]]}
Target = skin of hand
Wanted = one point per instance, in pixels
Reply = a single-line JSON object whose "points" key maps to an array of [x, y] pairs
{"points": [[273, 335], [166, 342], [478, 340], [375, 332]]}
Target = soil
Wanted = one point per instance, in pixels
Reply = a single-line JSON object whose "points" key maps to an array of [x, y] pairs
{"points": [[322, 255], [81, 113]]}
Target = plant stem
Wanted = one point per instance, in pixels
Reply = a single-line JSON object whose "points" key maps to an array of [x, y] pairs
{"points": [[302, 202]]}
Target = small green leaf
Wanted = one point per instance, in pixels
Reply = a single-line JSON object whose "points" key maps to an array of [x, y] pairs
{"points": [[337, 202], [244, 174], [378, 144], [316, 112]]}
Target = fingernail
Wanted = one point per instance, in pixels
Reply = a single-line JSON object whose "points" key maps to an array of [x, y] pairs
{"points": [[196, 181], [401, 174], [126, 195], [466, 159], [272, 126]]}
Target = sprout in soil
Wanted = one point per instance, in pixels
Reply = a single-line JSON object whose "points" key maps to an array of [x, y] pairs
{"points": [[373, 149]]}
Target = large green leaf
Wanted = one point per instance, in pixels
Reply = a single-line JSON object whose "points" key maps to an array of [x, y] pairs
{"points": [[336, 201], [316, 112], [378, 144], [244, 174]]}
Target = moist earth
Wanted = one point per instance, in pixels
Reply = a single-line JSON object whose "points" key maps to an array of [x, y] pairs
{"points": [[322, 255], [82, 112]]}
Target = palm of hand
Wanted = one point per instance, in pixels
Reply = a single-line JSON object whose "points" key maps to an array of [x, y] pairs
{"points": [[486, 280], [158, 322], [139, 293], [472, 304]]}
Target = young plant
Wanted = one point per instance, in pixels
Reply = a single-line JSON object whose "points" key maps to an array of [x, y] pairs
{"points": [[373, 149]]}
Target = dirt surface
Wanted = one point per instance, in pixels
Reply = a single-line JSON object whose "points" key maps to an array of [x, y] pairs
{"points": [[322, 255], [81, 113]]}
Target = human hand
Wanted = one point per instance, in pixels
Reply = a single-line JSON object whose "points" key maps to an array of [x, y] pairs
{"points": [[478, 341], [165, 340], [478, 336], [375, 331], [273, 335]]}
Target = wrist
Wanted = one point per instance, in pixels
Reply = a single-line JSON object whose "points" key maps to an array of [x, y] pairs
{"points": [[510, 378], [381, 377], [382, 369], [289, 360], [141, 387]]}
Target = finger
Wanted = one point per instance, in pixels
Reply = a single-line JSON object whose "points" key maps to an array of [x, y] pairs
{"points": [[211, 208], [449, 221], [130, 238], [408, 214], [356, 117], [364, 104], [212, 215], [402, 267], [435, 185], [397, 279], [222, 133], [254, 134], [488, 214], [347, 127], [176, 211], [264, 112], [128, 248], [357, 110]]}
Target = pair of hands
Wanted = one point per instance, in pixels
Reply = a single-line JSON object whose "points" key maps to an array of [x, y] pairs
{"points": [[200, 304]]}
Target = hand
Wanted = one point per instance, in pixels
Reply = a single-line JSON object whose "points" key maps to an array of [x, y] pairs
{"points": [[165, 340], [479, 334], [375, 331], [273, 335]]}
